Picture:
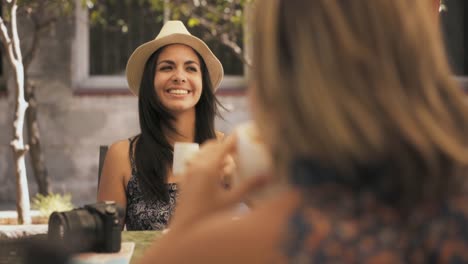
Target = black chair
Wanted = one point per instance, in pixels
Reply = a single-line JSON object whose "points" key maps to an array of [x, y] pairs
{"points": [[102, 156]]}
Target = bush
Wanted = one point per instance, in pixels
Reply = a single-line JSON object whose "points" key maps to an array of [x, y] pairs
{"points": [[46, 204]]}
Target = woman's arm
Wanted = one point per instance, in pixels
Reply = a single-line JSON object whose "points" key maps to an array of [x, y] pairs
{"points": [[115, 171], [202, 229]]}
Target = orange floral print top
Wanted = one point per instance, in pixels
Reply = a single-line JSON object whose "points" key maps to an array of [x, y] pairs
{"points": [[334, 224]]}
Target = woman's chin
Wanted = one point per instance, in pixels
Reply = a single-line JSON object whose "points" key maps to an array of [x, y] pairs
{"points": [[180, 108]]}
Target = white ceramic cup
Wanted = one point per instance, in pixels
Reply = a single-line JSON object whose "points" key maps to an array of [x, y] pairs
{"points": [[183, 151], [252, 158]]}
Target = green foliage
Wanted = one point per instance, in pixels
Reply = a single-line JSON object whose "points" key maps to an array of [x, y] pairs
{"points": [[46, 204], [40, 11], [192, 22], [213, 15], [58, 7], [105, 13]]}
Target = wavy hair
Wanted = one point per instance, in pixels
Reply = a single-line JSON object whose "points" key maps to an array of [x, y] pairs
{"points": [[360, 83]]}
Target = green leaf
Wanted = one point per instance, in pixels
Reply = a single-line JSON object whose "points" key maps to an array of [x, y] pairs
{"points": [[193, 22]]}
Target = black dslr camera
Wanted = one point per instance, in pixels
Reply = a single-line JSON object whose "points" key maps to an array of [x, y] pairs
{"points": [[94, 227]]}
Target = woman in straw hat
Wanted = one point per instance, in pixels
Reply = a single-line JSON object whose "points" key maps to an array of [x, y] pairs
{"points": [[175, 77], [367, 129]]}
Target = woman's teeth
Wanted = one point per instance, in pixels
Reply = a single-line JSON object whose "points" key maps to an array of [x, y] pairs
{"points": [[178, 91]]}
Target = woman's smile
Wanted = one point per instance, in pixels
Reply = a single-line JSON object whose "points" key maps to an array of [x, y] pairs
{"points": [[178, 91]]}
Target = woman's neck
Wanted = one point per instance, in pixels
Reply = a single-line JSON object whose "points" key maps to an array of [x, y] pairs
{"points": [[184, 124]]}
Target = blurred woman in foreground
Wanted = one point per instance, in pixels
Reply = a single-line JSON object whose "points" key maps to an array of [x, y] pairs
{"points": [[368, 132]]}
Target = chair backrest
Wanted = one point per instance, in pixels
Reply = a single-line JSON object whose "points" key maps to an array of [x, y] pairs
{"points": [[102, 156]]}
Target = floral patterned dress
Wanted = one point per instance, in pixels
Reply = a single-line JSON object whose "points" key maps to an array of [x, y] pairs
{"points": [[142, 214]]}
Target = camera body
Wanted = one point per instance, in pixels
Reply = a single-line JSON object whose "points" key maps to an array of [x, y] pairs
{"points": [[94, 227]]}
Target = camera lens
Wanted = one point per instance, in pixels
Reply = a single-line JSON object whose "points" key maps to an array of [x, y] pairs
{"points": [[77, 228], [56, 226], [94, 227]]}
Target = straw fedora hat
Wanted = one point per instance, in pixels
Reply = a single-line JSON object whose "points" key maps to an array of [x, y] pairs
{"points": [[173, 32]]}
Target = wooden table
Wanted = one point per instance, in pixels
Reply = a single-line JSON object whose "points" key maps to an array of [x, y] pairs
{"points": [[142, 240]]}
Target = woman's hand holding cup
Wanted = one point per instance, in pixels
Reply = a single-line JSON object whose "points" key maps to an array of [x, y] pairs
{"points": [[201, 194]]}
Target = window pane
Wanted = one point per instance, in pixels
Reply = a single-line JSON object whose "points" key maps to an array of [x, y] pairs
{"points": [[231, 63], [224, 12], [121, 26]]}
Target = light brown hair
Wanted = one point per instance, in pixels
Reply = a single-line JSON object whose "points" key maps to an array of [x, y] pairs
{"points": [[348, 82]]}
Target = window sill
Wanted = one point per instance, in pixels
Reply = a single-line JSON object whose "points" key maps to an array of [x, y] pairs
{"points": [[117, 85]]}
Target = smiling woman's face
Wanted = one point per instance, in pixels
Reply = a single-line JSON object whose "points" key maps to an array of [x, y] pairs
{"points": [[178, 78]]}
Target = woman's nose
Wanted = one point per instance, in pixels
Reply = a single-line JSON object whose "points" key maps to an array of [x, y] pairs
{"points": [[179, 77]]}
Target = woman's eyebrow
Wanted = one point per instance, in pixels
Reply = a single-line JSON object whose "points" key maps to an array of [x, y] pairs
{"points": [[166, 61], [191, 62], [173, 63]]}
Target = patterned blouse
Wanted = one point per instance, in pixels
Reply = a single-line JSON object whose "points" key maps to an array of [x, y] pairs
{"points": [[331, 226], [142, 214]]}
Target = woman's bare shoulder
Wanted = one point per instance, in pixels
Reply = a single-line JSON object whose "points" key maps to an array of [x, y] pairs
{"points": [[120, 145], [119, 150], [118, 159]]}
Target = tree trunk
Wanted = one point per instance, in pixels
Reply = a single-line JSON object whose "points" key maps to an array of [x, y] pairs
{"points": [[34, 136], [22, 192], [20, 149], [11, 45]]}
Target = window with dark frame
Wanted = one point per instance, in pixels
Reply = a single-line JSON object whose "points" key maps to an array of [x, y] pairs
{"points": [[231, 63], [126, 25], [123, 27]]}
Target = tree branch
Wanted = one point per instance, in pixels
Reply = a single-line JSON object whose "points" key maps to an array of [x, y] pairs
{"points": [[38, 29], [7, 41], [14, 31], [224, 38], [28, 57]]}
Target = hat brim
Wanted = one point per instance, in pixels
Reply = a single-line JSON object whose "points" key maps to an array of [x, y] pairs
{"points": [[136, 62]]}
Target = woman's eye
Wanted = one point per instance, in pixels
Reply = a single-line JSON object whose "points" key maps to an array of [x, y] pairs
{"points": [[165, 68], [192, 69]]}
